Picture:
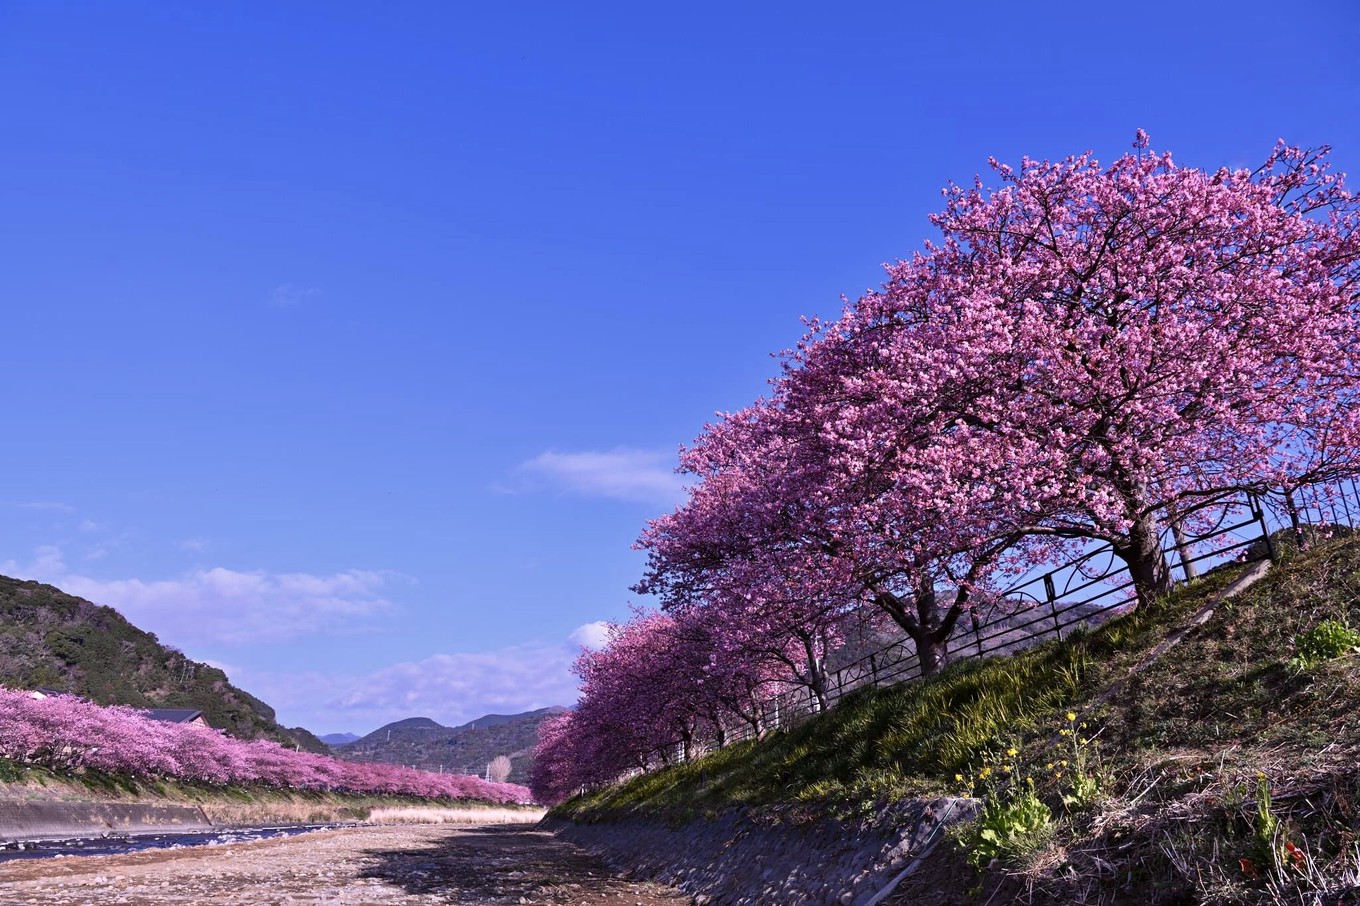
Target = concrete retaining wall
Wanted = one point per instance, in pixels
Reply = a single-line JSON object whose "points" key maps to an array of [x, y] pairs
{"points": [[58, 820], [738, 860]]}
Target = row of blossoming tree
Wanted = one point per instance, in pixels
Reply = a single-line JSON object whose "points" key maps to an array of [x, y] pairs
{"points": [[67, 733], [1086, 355]]}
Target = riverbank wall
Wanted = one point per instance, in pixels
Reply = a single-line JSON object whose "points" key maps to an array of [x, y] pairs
{"points": [[743, 859]]}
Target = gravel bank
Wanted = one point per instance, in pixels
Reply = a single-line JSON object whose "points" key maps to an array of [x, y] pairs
{"points": [[382, 866]]}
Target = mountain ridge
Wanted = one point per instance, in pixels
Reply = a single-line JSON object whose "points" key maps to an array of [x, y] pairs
{"points": [[53, 640], [468, 748]]}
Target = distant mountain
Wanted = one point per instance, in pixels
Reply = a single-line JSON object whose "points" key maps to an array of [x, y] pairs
{"points": [[410, 723], [52, 640], [339, 739], [424, 743], [494, 720]]}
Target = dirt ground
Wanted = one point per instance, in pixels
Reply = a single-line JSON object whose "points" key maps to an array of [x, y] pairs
{"points": [[391, 866]]}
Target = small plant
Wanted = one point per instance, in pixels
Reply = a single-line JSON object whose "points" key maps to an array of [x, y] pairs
{"points": [[10, 771], [1267, 825], [1272, 847], [1326, 641], [1084, 775], [1014, 823]]}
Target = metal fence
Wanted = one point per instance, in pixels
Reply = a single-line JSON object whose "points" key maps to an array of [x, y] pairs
{"points": [[1085, 591]]}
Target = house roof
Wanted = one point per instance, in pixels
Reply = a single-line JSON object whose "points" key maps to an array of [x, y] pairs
{"points": [[172, 715]]}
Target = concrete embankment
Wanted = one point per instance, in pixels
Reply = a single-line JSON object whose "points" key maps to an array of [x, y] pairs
{"points": [[46, 807], [740, 859], [60, 820]]}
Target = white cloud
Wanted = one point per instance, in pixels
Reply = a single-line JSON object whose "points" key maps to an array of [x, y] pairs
{"points": [[449, 688], [224, 606], [47, 563], [459, 687], [287, 295], [637, 476], [48, 505], [591, 635], [193, 545]]}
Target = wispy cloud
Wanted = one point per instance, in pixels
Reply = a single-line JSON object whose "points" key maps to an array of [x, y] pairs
{"points": [[288, 295], [224, 606], [636, 476], [48, 505], [46, 565], [449, 688]]}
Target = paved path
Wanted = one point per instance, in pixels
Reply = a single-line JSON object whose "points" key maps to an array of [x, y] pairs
{"points": [[384, 866]]}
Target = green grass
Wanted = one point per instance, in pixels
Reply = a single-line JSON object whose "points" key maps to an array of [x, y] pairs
{"points": [[909, 739], [1227, 686]]}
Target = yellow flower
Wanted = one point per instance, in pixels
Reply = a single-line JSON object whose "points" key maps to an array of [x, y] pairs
{"points": [[1071, 715], [1012, 752], [1063, 762], [1006, 768], [959, 778]]}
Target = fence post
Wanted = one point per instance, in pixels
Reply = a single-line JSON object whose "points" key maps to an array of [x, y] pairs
{"points": [[873, 667], [1052, 594], [1293, 509], [977, 632], [1259, 512]]}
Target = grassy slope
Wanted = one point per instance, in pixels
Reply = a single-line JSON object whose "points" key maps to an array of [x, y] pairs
{"points": [[1181, 743]]}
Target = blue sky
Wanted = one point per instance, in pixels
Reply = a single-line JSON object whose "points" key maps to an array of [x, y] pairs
{"points": [[349, 345]]}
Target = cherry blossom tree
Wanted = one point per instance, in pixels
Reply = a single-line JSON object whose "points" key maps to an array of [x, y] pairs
{"points": [[1087, 355], [555, 774], [1128, 340], [797, 521], [638, 692], [64, 732]]}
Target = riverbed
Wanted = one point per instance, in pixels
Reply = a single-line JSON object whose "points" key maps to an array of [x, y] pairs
{"points": [[117, 844], [402, 865]]}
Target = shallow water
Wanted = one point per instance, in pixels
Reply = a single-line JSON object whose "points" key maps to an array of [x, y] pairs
{"points": [[112, 844]]}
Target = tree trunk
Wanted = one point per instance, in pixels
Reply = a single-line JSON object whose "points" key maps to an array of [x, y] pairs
{"points": [[1184, 549], [928, 627], [1146, 560], [932, 652], [816, 670], [753, 719]]}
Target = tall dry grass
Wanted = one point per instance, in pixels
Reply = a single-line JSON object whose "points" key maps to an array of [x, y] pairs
{"points": [[430, 815]]}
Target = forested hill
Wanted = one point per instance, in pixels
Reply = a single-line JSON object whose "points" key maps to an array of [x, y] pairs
{"points": [[423, 743], [52, 640]]}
